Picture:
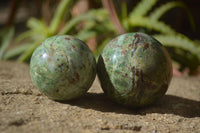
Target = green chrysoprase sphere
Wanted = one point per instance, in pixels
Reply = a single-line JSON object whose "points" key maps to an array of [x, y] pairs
{"points": [[134, 70], [63, 67]]}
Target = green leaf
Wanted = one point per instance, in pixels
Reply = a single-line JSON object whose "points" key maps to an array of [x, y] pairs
{"points": [[142, 8], [92, 15], [24, 35], [124, 17], [151, 24], [58, 16], [16, 51], [6, 36], [124, 11], [160, 11], [33, 23], [84, 35], [179, 41], [39, 27], [73, 22], [27, 54]]}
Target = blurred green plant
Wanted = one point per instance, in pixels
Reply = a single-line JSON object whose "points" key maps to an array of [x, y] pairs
{"points": [[97, 24], [96, 21], [39, 30], [182, 50], [6, 36]]}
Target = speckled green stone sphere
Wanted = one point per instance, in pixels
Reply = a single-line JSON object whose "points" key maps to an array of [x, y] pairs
{"points": [[134, 70], [63, 67]]}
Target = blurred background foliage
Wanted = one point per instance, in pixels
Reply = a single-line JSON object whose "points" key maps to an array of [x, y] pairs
{"points": [[173, 22]]}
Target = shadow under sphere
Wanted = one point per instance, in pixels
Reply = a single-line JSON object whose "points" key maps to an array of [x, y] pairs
{"points": [[169, 104]]}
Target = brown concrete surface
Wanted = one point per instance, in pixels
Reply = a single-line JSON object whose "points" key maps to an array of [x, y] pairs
{"points": [[24, 109]]}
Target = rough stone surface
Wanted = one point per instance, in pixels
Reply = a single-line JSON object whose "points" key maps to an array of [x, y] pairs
{"points": [[134, 69], [63, 67], [24, 109]]}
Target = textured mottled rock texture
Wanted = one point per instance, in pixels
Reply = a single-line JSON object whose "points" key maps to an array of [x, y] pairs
{"points": [[134, 70], [63, 67]]}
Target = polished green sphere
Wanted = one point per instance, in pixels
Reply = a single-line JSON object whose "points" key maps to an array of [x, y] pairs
{"points": [[63, 67], [134, 70]]}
